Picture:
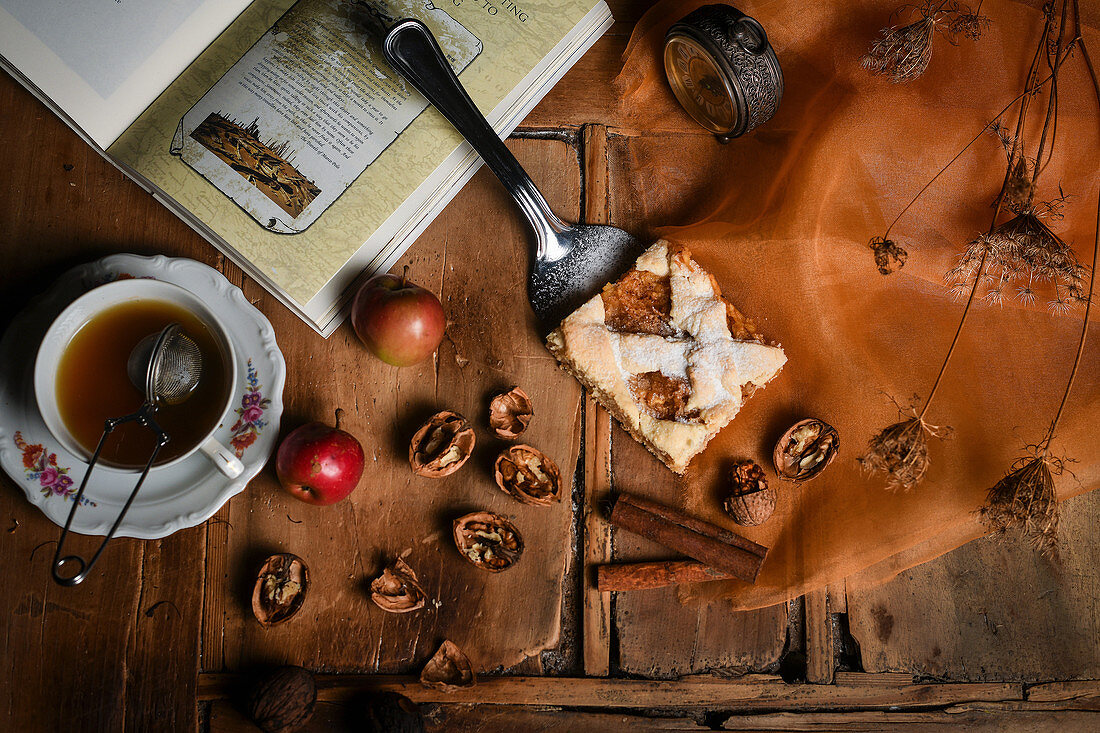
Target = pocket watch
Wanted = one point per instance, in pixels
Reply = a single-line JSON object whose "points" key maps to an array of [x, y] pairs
{"points": [[723, 70]]}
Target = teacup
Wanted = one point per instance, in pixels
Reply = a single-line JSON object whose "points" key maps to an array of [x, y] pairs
{"points": [[80, 313]]}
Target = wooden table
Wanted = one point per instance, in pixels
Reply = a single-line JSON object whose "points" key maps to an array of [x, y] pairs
{"points": [[948, 643]]}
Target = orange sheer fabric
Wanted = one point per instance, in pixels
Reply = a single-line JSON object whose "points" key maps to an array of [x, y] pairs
{"points": [[784, 224]]}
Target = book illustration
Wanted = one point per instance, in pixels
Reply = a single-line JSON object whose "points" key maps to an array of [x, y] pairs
{"points": [[265, 165], [316, 84]]}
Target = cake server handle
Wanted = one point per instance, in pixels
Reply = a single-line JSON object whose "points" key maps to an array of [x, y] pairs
{"points": [[144, 415], [412, 50]]}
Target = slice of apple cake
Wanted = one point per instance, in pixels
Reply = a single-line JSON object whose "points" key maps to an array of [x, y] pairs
{"points": [[666, 354]]}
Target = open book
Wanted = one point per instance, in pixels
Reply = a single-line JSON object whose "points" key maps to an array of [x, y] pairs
{"points": [[276, 129]]}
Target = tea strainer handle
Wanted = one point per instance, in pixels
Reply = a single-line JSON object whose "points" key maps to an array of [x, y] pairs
{"points": [[144, 416]]}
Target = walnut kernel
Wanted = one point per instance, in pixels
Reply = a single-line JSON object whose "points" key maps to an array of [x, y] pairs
{"points": [[441, 445], [510, 413], [280, 589], [751, 501], [528, 475], [488, 540], [805, 450]]}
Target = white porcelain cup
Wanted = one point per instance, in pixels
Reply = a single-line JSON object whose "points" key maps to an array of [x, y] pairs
{"points": [[84, 309]]}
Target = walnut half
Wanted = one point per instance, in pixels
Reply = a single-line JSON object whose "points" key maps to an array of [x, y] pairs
{"points": [[751, 501], [488, 540], [397, 590], [510, 413], [448, 670], [280, 589], [441, 445], [528, 475], [805, 450]]}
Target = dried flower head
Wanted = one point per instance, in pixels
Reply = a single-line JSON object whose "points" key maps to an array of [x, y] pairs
{"points": [[1002, 133], [1018, 256], [889, 257], [1025, 499], [902, 53], [965, 23], [900, 451]]}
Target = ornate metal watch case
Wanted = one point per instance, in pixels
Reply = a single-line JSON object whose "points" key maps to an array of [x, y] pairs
{"points": [[723, 70]]}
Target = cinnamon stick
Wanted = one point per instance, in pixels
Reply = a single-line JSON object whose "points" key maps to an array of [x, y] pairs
{"points": [[659, 574], [710, 544]]}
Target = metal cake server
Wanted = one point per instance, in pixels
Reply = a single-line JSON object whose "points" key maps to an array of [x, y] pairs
{"points": [[571, 261]]}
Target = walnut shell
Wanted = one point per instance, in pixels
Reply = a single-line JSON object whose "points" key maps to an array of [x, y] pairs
{"points": [[805, 450], [397, 590], [389, 712], [441, 445], [488, 540], [510, 413], [280, 589], [448, 670], [282, 701], [528, 475], [751, 501]]}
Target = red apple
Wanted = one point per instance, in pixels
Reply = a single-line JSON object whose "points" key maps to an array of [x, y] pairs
{"points": [[401, 323], [320, 464]]}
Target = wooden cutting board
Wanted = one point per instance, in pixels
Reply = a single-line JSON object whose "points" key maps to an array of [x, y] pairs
{"points": [[475, 258]]}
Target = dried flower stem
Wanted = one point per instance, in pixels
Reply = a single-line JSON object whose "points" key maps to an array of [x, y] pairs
{"points": [[1051, 122], [962, 322], [1015, 155], [1024, 95], [1031, 87], [999, 203], [900, 450], [1096, 237], [1025, 497]]}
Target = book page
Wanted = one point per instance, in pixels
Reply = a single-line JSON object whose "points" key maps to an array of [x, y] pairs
{"points": [[307, 109], [514, 37], [104, 61]]}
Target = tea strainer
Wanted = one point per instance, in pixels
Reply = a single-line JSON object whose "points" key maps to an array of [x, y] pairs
{"points": [[167, 366]]}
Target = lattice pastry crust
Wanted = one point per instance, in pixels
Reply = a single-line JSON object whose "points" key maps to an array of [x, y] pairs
{"points": [[666, 354]]}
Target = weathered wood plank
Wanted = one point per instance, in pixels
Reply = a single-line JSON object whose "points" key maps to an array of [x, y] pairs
{"points": [[1084, 704], [838, 598], [162, 669], [337, 717], [1062, 691], [920, 722], [688, 639], [85, 658], [507, 719], [471, 256], [348, 717], [585, 93], [214, 597], [880, 679], [751, 692], [820, 661], [993, 609], [597, 470]]}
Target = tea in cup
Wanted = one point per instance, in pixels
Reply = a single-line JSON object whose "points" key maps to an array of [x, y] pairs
{"points": [[81, 378]]}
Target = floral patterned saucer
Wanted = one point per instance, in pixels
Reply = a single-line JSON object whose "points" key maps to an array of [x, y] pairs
{"points": [[180, 497]]}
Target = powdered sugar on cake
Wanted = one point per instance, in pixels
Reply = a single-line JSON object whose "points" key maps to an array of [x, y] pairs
{"points": [[717, 368]]}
